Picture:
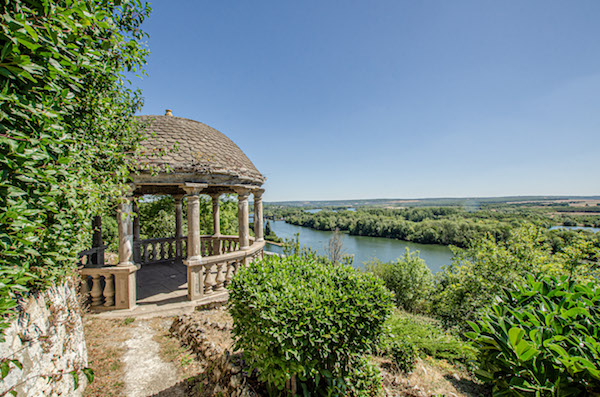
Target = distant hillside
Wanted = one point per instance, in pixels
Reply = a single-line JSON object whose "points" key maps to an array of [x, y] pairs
{"points": [[450, 201]]}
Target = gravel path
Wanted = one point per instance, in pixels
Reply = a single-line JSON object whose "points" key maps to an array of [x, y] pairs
{"points": [[146, 374]]}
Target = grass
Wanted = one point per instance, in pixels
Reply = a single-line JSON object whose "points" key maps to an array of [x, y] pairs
{"points": [[104, 339], [429, 338]]}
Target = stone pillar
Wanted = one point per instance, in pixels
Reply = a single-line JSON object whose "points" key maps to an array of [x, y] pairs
{"points": [[193, 218], [216, 248], [124, 274], [195, 269], [244, 241], [125, 232], [258, 215], [137, 245], [178, 225], [215, 209]]}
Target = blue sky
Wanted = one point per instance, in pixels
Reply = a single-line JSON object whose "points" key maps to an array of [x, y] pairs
{"points": [[389, 99]]}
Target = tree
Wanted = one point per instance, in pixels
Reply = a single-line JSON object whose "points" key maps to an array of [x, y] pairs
{"points": [[67, 135], [268, 229], [408, 277], [335, 247]]}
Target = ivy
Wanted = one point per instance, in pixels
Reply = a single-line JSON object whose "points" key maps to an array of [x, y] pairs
{"points": [[67, 135]]}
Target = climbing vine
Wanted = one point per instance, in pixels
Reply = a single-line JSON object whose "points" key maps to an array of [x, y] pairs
{"points": [[67, 135]]}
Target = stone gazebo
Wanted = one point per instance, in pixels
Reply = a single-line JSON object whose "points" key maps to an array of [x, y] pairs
{"points": [[204, 162]]}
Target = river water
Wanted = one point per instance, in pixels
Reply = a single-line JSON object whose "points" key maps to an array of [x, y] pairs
{"points": [[363, 248]]}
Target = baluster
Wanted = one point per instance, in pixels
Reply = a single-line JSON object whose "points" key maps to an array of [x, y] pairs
{"points": [[171, 249], [209, 279], [109, 290], [96, 292], [220, 277], [85, 287], [230, 271]]}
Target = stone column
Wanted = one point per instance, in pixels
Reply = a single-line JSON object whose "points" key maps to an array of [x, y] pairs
{"points": [[125, 232], [244, 241], [137, 245], [216, 224], [258, 215], [178, 225], [124, 274], [193, 219], [195, 271]]}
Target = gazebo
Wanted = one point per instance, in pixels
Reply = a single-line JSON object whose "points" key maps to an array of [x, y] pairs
{"points": [[205, 162]]}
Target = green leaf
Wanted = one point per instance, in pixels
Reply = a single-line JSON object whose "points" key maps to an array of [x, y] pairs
{"points": [[515, 335]]}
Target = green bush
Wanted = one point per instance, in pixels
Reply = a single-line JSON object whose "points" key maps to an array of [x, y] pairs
{"points": [[364, 379], [404, 355], [299, 317], [542, 339], [408, 277]]}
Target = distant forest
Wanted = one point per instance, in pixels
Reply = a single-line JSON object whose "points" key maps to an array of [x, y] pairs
{"points": [[453, 224]]}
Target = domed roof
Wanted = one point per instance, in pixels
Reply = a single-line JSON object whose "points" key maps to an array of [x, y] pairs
{"points": [[199, 150]]}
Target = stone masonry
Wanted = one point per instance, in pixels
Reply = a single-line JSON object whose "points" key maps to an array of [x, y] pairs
{"points": [[47, 339]]}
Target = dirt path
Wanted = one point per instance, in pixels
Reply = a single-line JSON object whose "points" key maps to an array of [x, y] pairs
{"points": [[146, 373], [136, 358]]}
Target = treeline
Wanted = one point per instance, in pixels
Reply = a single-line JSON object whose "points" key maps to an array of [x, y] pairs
{"points": [[426, 225]]}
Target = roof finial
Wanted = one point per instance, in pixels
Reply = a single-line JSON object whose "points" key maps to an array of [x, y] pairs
{"points": [[168, 112]]}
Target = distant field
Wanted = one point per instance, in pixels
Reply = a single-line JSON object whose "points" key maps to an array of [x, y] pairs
{"points": [[571, 201]]}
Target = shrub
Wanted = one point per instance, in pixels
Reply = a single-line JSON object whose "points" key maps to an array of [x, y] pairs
{"points": [[542, 338], [297, 317], [364, 379], [404, 355], [408, 277]]}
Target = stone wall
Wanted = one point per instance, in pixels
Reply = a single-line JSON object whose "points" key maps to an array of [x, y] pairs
{"points": [[47, 339]]}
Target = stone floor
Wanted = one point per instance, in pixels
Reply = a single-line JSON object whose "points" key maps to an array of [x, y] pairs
{"points": [[161, 284], [162, 291]]}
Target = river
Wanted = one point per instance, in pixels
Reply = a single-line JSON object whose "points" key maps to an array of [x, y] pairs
{"points": [[362, 247]]}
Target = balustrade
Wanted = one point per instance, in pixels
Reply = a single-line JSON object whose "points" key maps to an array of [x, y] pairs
{"points": [[215, 272], [108, 288]]}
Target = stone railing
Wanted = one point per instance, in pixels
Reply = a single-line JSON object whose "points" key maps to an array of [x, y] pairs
{"points": [[169, 249], [159, 250], [109, 287], [92, 257], [214, 273]]}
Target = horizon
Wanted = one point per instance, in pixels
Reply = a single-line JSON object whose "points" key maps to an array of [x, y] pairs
{"points": [[393, 99], [539, 197]]}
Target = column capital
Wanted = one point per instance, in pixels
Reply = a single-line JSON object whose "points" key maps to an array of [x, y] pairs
{"points": [[257, 193], [194, 188], [215, 195], [178, 197]]}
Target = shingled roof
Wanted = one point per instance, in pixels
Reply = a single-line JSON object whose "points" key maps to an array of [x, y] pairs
{"points": [[201, 150]]}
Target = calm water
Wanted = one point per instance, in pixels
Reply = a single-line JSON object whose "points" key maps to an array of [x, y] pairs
{"points": [[591, 229], [364, 248]]}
